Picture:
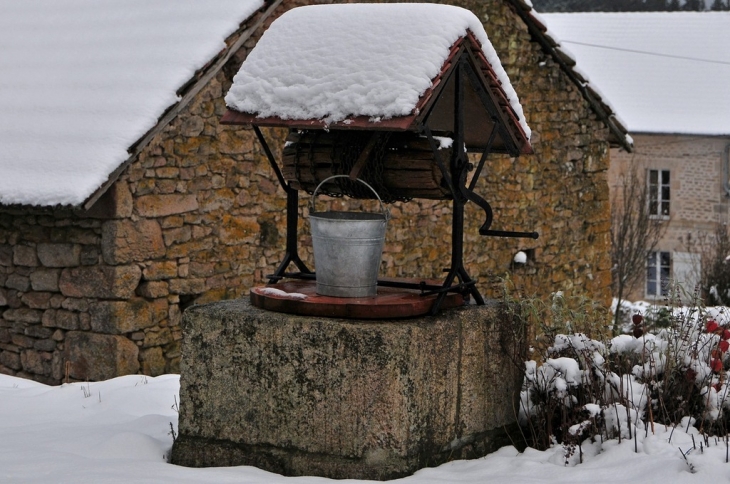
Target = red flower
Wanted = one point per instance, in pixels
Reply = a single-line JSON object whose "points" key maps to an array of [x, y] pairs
{"points": [[712, 326], [716, 365], [637, 318], [638, 331], [726, 334], [724, 345]]}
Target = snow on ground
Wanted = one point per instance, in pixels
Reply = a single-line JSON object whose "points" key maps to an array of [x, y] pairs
{"points": [[82, 80], [334, 61], [117, 431]]}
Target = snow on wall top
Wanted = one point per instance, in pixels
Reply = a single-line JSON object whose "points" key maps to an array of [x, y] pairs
{"points": [[664, 72], [332, 62], [82, 80]]}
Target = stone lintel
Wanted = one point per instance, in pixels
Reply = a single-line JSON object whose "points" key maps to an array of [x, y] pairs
{"points": [[344, 398], [164, 205]]}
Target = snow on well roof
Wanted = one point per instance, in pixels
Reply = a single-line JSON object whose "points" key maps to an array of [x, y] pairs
{"points": [[82, 80], [664, 72], [333, 62]]}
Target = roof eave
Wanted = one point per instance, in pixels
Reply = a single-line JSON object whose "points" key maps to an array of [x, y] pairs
{"points": [[401, 123]]}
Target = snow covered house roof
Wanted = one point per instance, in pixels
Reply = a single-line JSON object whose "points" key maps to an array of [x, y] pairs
{"points": [[371, 66], [604, 109], [666, 72], [83, 81]]}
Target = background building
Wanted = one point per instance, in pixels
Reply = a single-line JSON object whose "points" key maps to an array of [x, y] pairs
{"points": [[667, 74]]}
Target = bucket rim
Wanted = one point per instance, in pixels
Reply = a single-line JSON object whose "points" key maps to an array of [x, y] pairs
{"points": [[334, 215]]}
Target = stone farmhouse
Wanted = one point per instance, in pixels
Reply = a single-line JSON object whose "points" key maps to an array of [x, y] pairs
{"points": [[124, 201], [667, 74]]}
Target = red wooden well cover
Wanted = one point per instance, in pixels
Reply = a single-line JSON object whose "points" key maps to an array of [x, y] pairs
{"points": [[300, 297]]}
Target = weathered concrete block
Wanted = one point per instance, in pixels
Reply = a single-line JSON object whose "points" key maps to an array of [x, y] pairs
{"points": [[97, 357], [343, 398], [100, 281], [119, 317], [125, 241]]}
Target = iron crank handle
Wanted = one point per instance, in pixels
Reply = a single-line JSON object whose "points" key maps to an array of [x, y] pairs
{"points": [[507, 233], [484, 229]]}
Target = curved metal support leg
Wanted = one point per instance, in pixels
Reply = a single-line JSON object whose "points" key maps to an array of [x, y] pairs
{"points": [[292, 252]]}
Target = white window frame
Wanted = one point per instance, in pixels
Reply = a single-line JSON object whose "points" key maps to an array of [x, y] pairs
{"points": [[659, 193], [658, 273], [686, 270]]}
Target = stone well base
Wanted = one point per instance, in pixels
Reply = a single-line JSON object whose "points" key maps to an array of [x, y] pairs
{"points": [[344, 398]]}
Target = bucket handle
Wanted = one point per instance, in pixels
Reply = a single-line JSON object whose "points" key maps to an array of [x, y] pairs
{"points": [[385, 211]]}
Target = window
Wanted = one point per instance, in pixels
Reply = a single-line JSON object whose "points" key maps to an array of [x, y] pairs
{"points": [[659, 193], [658, 271]]}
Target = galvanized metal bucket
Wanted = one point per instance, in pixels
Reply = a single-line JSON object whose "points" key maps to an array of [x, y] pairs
{"points": [[348, 247]]}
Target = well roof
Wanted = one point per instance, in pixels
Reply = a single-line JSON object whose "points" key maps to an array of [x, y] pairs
{"points": [[369, 66]]}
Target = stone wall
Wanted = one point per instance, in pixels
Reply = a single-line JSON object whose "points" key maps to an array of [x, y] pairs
{"points": [[93, 295], [199, 216]]}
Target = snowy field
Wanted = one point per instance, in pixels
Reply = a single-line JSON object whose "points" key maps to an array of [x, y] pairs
{"points": [[118, 431]]}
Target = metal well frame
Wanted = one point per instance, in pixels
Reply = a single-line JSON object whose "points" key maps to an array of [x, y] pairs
{"points": [[455, 173]]}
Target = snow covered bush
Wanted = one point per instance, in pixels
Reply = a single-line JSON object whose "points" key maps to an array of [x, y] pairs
{"points": [[602, 389]]}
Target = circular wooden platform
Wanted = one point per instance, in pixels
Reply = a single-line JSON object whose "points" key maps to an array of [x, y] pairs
{"points": [[300, 297]]}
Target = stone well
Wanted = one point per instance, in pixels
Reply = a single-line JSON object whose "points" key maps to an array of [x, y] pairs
{"points": [[345, 398]]}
